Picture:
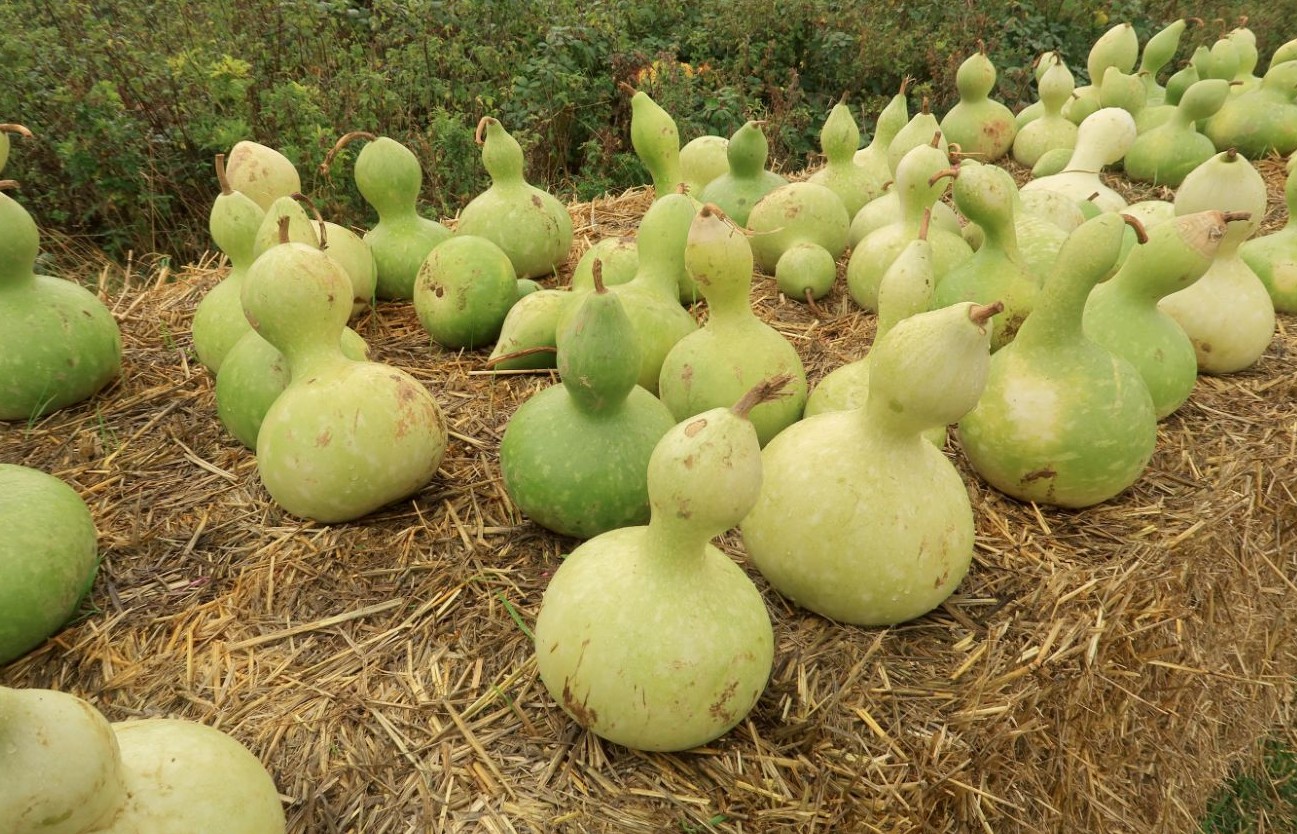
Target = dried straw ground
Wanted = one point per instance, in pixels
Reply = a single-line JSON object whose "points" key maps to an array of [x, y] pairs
{"points": [[1098, 670]]}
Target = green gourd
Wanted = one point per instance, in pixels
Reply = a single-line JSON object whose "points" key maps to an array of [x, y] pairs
{"points": [[1223, 60], [656, 141], [219, 322], [886, 209], [356, 258], [854, 184], [348, 249], [261, 172], [650, 636], [1049, 130], [1262, 120], [345, 437], [923, 128], [1101, 140], [464, 289], [389, 178], [1117, 47], [918, 188], [747, 180], [1121, 314], [860, 519], [891, 119], [734, 350], [799, 230], [528, 339], [1227, 313], [1063, 421], [618, 259], [1285, 52], [1159, 50], [983, 128], [5, 130], [1273, 256], [59, 344], [1244, 40], [1042, 63], [1165, 154], [49, 556], [997, 271], [532, 227], [574, 457], [703, 159], [1122, 89]]}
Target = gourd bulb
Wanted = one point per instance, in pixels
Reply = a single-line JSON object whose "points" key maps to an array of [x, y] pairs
{"points": [[261, 172]]}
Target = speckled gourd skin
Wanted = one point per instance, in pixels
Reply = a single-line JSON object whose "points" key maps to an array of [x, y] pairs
{"points": [[747, 180], [860, 519], [48, 557], [261, 172], [650, 636], [59, 344], [463, 291], [983, 128]]}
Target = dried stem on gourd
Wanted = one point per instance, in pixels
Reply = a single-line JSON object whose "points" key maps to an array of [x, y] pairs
{"points": [[319, 218], [1141, 234], [905, 83], [924, 222], [936, 137], [342, 142], [763, 392], [952, 172], [16, 128], [596, 272], [626, 88], [481, 127], [518, 354], [283, 229], [980, 314], [221, 179], [1231, 216], [8, 185], [1194, 21]]}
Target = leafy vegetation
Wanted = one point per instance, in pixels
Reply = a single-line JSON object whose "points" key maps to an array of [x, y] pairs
{"points": [[1259, 798]]}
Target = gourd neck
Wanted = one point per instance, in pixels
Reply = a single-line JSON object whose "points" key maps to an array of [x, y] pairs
{"points": [[314, 359], [675, 542]]}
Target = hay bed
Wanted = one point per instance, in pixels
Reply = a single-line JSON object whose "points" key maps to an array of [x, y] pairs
{"points": [[1097, 670]]}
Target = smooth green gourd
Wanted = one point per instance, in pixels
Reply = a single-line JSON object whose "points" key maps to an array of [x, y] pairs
{"points": [[656, 141], [1039, 66], [219, 322], [1165, 154], [528, 335], [1286, 51], [997, 271], [1122, 89], [348, 249], [618, 259], [854, 184], [532, 227], [1244, 40], [59, 344], [345, 437], [799, 231], [1121, 314], [1227, 313], [1273, 257], [923, 128], [1159, 50], [886, 209], [1050, 130], [891, 119], [747, 180], [983, 128], [1262, 120], [49, 556], [1063, 421], [261, 172], [703, 159], [734, 350], [1101, 140], [650, 636], [1117, 47], [574, 457], [5, 130], [464, 289], [860, 519]]}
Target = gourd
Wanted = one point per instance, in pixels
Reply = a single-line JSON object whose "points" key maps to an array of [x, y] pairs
{"points": [[1165, 154], [618, 259], [463, 291], [261, 172], [346, 247], [656, 141], [703, 159], [1101, 140], [650, 636], [1159, 51], [918, 188], [799, 230], [891, 119], [1262, 120], [5, 130], [532, 227], [860, 519], [1117, 47], [48, 557], [839, 140], [747, 180], [345, 437], [1049, 130], [1285, 52], [1227, 313], [527, 339], [923, 128], [1121, 314], [218, 319], [1063, 421], [1273, 257], [388, 176], [59, 344], [1244, 40], [982, 127], [574, 457], [1035, 109], [1124, 90], [734, 350], [886, 209], [997, 271]]}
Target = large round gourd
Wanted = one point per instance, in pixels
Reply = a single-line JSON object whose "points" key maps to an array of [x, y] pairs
{"points": [[786, 223], [463, 291]]}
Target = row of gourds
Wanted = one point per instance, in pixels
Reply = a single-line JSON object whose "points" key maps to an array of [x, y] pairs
{"points": [[648, 634]]}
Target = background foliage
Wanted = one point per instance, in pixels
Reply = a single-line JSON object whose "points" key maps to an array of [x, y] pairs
{"points": [[131, 101]]}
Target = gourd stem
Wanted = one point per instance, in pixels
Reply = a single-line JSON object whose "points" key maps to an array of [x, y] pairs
{"points": [[221, 179], [518, 354], [8, 185], [342, 142], [16, 128], [319, 218]]}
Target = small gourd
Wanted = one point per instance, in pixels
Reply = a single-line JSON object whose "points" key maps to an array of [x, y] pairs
{"points": [[860, 519], [1244, 40], [261, 172], [1035, 109], [656, 141], [1049, 130], [59, 344], [747, 180], [532, 227], [734, 350], [528, 334], [854, 184], [1262, 120], [650, 636], [1165, 154], [388, 176], [923, 128], [463, 291], [574, 457], [799, 231], [1117, 47], [1124, 90], [219, 322], [703, 159], [1273, 257], [49, 556], [345, 437], [886, 209], [1063, 421], [983, 128], [347, 248], [894, 116], [1101, 140], [5, 130], [618, 259], [1227, 313], [1159, 50], [1121, 314]]}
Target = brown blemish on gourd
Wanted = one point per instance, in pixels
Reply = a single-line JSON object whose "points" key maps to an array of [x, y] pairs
{"points": [[438, 291], [717, 709], [323, 439], [535, 201], [1038, 474], [584, 716], [696, 426]]}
